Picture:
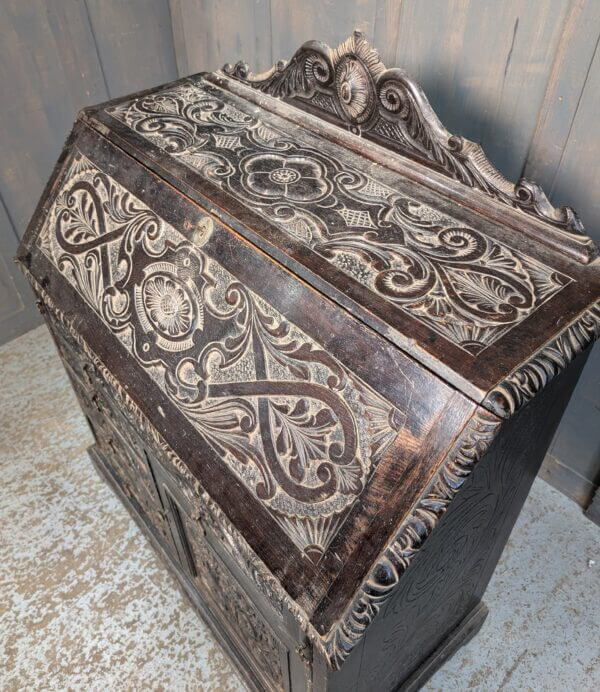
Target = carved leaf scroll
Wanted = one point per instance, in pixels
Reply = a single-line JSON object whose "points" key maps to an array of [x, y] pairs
{"points": [[351, 85], [464, 285], [300, 432]]}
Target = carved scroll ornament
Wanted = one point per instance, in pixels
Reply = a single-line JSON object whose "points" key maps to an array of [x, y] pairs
{"points": [[351, 86], [299, 431], [384, 576], [458, 281]]}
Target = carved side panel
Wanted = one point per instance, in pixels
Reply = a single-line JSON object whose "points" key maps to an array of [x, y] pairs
{"points": [[452, 570]]}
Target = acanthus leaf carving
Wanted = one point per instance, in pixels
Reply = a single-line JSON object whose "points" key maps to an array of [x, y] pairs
{"points": [[282, 414], [521, 385], [401, 550], [466, 286]]}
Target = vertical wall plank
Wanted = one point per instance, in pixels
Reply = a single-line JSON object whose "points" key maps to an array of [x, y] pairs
{"points": [[17, 311], [577, 180], [177, 10], [48, 70], [134, 40], [293, 23], [209, 33], [563, 92], [484, 66], [385, 30]]}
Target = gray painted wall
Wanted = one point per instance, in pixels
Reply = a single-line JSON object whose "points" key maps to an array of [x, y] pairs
{"points": [[521, 77], [57, 56]]}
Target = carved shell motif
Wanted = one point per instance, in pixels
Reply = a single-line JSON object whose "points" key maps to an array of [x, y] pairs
{"points": [[351, 86]]}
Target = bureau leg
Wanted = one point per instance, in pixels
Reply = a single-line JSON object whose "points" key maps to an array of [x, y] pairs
{"points": [[467, 629]]}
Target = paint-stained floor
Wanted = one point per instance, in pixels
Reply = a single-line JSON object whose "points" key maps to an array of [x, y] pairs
{"points": [[85, 604]]}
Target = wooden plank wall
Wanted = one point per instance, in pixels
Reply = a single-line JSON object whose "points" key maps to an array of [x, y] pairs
{"points": [[521, 77], [57, 56]]}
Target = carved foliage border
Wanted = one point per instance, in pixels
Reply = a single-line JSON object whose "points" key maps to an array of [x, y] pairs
{"points": [[401, 551], [528, 379], [353, 87]]}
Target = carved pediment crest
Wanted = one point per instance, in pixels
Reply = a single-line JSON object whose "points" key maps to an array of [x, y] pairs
{"points": [[350, 86]]}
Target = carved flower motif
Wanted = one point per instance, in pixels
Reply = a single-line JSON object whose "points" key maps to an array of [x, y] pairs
{"points": [[354, 88], [275, 176], [167, 305]]}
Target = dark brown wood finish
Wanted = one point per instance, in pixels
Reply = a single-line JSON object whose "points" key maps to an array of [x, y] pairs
{"points": [[428, 427], [302, 352]]}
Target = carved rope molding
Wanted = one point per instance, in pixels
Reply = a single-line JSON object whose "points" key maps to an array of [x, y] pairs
{"points": [[351, 86], [401, 551], [528, 379]]}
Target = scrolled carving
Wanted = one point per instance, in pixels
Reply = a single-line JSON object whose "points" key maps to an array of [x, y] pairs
{"points": [[283, 414], [465, 285], [384, 577], [402, 549], [528, 379], [308, 68], [206, 509], [351, 84]]}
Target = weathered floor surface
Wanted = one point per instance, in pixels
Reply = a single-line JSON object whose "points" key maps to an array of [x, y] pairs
{"points": [[85, 604]]}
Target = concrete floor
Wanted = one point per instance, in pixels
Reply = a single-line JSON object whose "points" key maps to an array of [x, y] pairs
{"points": [[85, 604]]}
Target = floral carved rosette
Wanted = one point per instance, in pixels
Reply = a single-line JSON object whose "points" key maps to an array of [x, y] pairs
{"points": [[301, 432], [285, 177]]}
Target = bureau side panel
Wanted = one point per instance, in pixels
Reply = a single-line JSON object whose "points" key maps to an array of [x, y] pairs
{"points": [[449, 576]]}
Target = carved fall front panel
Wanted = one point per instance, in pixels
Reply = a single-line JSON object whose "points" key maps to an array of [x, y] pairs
{"points": [[299, 430], [459, 282]]}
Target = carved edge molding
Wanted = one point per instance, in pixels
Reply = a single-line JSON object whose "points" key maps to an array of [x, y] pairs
{"points": [[384, 576], [351, 86], [528, 379]]}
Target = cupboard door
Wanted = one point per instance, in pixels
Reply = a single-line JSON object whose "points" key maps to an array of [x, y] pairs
{"points": [[221, 592]]}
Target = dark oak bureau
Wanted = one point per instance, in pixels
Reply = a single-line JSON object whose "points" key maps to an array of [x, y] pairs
{"points": [[322, 345]]}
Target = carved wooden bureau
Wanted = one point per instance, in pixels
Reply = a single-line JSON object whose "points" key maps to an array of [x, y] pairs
{"points": [[322, 345]]}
